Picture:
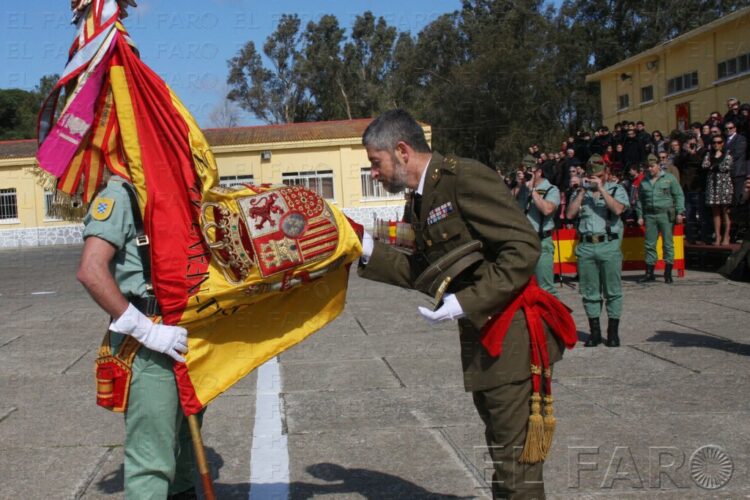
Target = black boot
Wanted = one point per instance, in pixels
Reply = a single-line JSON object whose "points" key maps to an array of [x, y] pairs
{"points": [[649, 276], [668, 273], [185, 495], [595, 337], [613, 336]]}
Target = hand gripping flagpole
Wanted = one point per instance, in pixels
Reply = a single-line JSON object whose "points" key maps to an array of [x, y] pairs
{"points": [[200, 458]]}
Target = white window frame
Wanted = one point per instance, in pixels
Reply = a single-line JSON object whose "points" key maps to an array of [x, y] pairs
{"points": [[49, 197], [683, 81], [374, 190], [647, 101], [303, 179], [738, 71], [236, 180], [620, 98], [7, 194]]}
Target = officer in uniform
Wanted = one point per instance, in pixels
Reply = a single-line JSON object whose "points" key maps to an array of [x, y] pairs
{"points": [[159, 460], [598, 205], [458, 201], [542, 203], [660, 204]]}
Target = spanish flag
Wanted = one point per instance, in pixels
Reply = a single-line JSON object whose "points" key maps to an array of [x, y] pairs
{"points": [[249, 272]]}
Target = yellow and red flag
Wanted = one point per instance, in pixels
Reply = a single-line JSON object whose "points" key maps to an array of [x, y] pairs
{"points": [[249, 272]]}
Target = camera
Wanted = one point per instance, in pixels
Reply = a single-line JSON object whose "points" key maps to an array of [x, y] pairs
{"points": [[586, 184]]}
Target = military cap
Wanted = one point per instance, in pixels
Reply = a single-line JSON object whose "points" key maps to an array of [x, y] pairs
{"points": [[651, 158], [595, 164], [528, 161]]}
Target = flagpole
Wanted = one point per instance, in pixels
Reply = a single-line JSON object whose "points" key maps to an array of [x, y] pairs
{"points": [[200, 458]]}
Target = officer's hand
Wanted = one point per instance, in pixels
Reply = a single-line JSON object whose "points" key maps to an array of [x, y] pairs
{"points": [[680, 219], [170, 340], [640, 222], [368, 245], [450, 309]]}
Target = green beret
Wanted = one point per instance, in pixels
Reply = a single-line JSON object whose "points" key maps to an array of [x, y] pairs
{"points": [[595, 164], [528, 161], [651, 158]]}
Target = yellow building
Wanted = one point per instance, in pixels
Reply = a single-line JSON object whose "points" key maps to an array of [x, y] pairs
{"points": [[682, 80], [327, 157]]}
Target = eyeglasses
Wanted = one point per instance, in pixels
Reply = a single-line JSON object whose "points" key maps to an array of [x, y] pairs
{"points": [[662, 157], [730, 127], [718, 142]]}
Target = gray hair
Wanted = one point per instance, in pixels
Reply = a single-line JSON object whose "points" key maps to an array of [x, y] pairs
{"points": [[392, 127]]}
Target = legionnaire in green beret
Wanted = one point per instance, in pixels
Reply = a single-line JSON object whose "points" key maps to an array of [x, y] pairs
{"points": [[598, 205], [460, 204], [660, 204], [542, 202]]}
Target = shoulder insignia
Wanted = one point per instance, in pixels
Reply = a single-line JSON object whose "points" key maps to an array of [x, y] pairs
{"points": [[102, 208], [450, 162]]}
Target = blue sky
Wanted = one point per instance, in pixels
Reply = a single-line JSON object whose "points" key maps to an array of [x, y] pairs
{"points": [[188, 46]]}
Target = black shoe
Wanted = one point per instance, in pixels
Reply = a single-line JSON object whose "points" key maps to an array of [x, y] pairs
{"points": [[595, 337], [184, 495], [668, 273], [613, 336], [649, 276]]}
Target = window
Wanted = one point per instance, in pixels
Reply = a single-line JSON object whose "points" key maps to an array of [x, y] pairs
{"points": [[734, 66], [373, 189], [8, 205], [683, 82], [49, 198], [235, 180], [623, 101], [647, 94], [320, 181]]}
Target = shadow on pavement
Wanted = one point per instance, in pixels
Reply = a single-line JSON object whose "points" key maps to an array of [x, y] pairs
{"points": [[682, 339], [114, 481], [370, 484]]}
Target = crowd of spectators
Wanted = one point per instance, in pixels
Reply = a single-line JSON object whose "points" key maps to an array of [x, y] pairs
{"points": [[709, 159]]}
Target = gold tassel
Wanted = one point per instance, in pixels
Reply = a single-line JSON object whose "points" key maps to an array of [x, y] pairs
{"points": [[549, 424], [533, 448]]}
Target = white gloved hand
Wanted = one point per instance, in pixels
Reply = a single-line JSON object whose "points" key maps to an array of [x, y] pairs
{"points": [[170, 340], [450, 309], [368, 245]]}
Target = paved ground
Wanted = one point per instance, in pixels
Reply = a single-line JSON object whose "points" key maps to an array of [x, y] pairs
{"points": [[373, 407]]}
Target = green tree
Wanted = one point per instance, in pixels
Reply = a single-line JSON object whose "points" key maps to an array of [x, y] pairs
{"points": [[323, 69], [277, 96], [367, 58], [19, 109]]}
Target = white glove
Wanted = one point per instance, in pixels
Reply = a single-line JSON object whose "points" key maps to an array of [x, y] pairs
{"points": [[368, 245], [450, 309], [170, 340]]}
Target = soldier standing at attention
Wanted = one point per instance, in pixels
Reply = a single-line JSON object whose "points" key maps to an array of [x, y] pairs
{"points": [[114, 269], [457, 204], [544, 198], [598, 205], [660, 204]]}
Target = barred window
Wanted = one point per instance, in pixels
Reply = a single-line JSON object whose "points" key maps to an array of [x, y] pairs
{"points": [[683, 82], [8, 204], [235, 180], [623, 101], [734, 66], [49, 198], [320, 181], [373, 189]]}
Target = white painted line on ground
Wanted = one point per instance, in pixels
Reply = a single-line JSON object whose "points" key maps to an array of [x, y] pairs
{"points": [[269, 457], [43, 293]]}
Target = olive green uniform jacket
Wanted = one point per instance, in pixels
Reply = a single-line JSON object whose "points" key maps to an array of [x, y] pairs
{"points": [[480, 208]]}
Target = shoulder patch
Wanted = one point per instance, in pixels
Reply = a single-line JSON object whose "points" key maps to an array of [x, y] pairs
{"points": [[102, 208]]}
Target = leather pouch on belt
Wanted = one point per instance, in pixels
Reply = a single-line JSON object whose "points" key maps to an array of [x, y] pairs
{"points": [[437, 278], [113, 373]]}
